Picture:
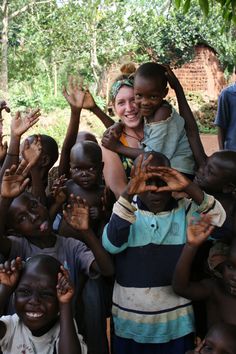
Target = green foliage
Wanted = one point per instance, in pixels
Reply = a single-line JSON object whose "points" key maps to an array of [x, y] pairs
{"points": [[228, 8]]}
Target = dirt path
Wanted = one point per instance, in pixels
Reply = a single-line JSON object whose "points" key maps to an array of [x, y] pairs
{"points": [[210, 143]]}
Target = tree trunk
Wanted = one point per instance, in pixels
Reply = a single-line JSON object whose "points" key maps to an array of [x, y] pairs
{"points": [[96, 67], [55, 78], [4, 50]]}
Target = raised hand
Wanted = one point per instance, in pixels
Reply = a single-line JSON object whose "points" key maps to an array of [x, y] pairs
{"points": [[88, 102], [199, 230], [15, 180], [4, 107], [3, 148], [75, 94], [20, 125], [139, 176], [65, 290], [10, 271], [76, 213], [59, 190], [32, 151], [174, 179]]}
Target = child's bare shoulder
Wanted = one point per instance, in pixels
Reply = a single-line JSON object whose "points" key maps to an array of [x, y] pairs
{"points": [[162, 113]]}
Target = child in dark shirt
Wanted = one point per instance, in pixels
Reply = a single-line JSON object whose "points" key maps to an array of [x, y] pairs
{"points": [[28, 218], [43, 321]]}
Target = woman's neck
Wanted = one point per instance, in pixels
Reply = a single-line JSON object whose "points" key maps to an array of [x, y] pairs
{"points": [[133, 135]]}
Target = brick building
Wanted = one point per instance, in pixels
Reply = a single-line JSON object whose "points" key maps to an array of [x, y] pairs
{"points": [[203, 74]]}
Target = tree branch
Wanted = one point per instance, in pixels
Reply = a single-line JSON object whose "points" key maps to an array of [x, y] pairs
{"points": [[25, 8]]}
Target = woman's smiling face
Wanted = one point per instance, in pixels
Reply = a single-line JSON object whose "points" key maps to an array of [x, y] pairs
{"points": [[126, 108]]}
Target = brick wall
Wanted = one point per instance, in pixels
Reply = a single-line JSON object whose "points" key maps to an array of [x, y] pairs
{"points": [[203, 74]]}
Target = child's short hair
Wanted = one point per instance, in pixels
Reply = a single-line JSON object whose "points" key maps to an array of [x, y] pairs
{"points": [[158, 159], [154, 72], [86, 136], [51, 264], [89, 148]]}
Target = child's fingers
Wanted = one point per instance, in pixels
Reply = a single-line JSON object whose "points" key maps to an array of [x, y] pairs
{"points": [[138, 164], [164, 189], [23, 169]]}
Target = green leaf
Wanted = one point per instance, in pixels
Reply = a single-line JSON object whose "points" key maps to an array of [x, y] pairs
{"points": [[204, 4], [177, 3], [186, 6]]}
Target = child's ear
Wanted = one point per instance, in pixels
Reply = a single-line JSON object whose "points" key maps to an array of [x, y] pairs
{"points": [[165, 92], [45, 160], [229, 188]]}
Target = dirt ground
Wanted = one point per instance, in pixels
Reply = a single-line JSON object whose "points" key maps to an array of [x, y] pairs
{"points": [[210, 143]]}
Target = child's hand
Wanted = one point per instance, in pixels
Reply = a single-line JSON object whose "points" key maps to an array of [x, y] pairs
{"points": [[95, 213], [111, 137], [3, 148], [174, 179], [88, 102], [77, 213], [199, 230], [31, 152], [19, 125], [59, 190], [15, 180], [10, 271], [4, 106], [75, 96], [172, 79], [139, 177], [65, 290], [199, 347]]}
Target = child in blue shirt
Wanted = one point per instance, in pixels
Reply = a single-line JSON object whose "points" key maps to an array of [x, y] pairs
{"points": [[146, 233]]}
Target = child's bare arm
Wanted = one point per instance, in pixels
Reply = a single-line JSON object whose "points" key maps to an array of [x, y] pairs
{"points": [[190, 122], [197, 233], [3, 149], [90, 104], [68, 342], [221, 137], [77, 216], [19, 126], [75, 97], [9, 276], [3, 146]]}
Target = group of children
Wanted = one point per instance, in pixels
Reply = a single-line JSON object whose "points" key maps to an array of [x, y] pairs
{"points": [[72, 254]]}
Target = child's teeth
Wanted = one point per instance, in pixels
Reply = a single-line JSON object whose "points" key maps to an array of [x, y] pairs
{"points": [[33, 314]]}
